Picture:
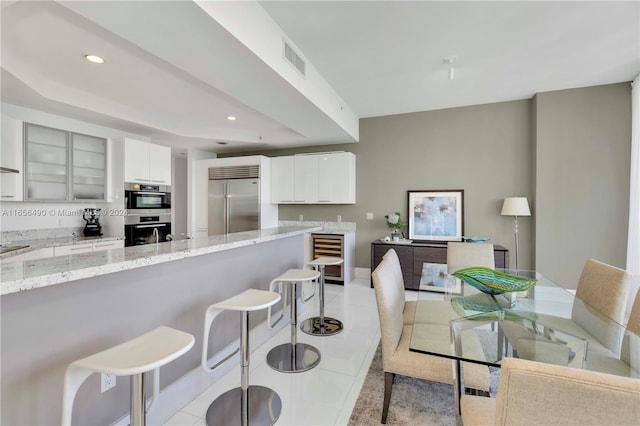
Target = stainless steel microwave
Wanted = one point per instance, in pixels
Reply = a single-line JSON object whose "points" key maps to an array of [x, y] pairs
{"points": [[142, 197]]}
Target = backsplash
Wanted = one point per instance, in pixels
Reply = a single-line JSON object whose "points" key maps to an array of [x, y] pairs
{"points": [[326, 226], [38, 234]]}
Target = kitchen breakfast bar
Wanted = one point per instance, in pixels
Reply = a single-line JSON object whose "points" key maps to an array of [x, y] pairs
{"points": [[57, 310]]}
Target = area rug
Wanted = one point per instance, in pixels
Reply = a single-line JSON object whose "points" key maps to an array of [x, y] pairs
{"points": [[414, 402]]}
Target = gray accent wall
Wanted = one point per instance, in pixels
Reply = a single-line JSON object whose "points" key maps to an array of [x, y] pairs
{"points": [[484, 150], [583, 149], [568, 150]]}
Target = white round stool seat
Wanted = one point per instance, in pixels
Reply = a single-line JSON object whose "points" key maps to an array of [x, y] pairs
{"points": [[246, 405], [293, 357], [322, 325], [326, 261], [147, 352], [249, 300]]}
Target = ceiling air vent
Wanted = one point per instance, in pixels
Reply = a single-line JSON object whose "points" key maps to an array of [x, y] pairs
{"points": [[293, 58]]}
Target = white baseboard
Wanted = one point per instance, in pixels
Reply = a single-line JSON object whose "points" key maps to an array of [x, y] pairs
{"points": [[180, 393], [363, 273]]}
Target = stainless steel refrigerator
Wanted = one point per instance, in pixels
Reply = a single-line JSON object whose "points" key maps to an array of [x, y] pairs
{"points": [[234, 205]]}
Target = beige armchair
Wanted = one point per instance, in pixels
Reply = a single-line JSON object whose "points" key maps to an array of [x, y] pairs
{"points": [[533, 393], [396, 337]]}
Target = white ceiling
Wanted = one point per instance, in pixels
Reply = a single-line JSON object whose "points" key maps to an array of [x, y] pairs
{"points": [[174, 72]]}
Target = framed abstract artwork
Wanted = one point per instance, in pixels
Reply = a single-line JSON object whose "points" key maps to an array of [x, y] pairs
{"points": [[436, 215]]}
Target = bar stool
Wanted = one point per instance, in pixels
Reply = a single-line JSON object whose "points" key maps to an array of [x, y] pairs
{"points": [[292, 357], [132, 358], [321, 325], [246, 405]]}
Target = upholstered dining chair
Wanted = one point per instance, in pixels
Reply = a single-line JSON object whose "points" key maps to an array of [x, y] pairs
{"points": [[602, 290], [396, 337], [630, 352], [533, 393], [465, 255], [409, 309]]}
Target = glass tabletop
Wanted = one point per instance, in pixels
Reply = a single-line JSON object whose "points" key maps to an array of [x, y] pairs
{"points": [[546, 324]]}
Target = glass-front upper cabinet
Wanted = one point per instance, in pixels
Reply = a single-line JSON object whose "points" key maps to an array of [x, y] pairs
{"points": [[60, 165], [89, 160]]}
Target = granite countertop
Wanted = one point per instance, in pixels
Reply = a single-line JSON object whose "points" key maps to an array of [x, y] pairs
{"points": [[332, 228], [51, 242], [31, 274]]}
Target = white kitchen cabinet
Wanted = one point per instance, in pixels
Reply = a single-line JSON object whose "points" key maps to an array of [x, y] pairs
{"points": [[282, 178], [305, 179], [107, 245], [337, 178], [160, 164], [294, 179], [324, 178], [11, 184], [73, 249], [87, 247], [145, 162]]}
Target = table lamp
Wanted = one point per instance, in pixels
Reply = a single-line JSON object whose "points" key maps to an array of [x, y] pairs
{"points": [[515, 206]]}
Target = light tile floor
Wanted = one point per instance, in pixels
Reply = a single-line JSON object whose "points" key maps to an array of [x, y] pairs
{"points": [[326, 394]]}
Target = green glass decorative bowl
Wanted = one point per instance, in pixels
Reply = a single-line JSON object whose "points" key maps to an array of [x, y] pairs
{"points": [[493, 282]]}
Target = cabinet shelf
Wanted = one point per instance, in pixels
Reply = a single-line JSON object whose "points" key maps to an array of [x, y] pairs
{"points": [[48, 145], [48, 163], [88, 150]]}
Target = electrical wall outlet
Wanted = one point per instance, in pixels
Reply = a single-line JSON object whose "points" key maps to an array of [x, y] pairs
{"points": [[300, 218], [369, 216], [339, 218], [107, 382]]}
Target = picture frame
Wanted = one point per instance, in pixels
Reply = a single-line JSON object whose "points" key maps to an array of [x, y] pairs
{"points": [[435, 278], [436, 215]]}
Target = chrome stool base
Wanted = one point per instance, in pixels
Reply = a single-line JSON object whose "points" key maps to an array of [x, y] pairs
{"points": [[263, 408], [312, 326], [287, 360]]}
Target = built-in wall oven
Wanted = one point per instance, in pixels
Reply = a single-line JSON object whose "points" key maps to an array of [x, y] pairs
{"points": [[148, 218], [139, 196], [147, 229]]}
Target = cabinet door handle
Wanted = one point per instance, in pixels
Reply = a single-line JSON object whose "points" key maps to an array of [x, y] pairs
{"points": [[105, 245], [324, 201], [78, 248], [159, 181], [156, 225], [6, 196], [145, 180]]}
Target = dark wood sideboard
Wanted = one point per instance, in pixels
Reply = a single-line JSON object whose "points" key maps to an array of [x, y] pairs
{"points": [[413, 255]]}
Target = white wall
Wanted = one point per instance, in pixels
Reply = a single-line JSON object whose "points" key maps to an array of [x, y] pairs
{"points": [[193, 155], [180, 198]]}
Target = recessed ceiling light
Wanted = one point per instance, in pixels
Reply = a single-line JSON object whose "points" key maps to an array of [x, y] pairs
{"points": [[231, 118], [93, 58]]}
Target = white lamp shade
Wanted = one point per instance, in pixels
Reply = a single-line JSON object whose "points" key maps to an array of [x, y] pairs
{"points": [[515, 206]]}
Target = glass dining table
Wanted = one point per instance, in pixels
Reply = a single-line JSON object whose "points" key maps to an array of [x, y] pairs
{"points": [[546, 324]]}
